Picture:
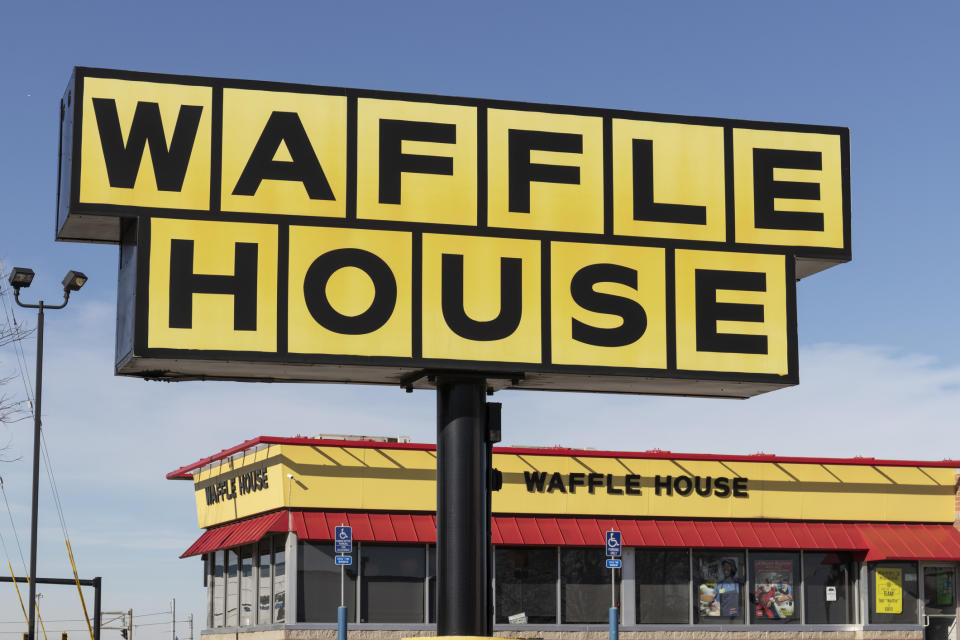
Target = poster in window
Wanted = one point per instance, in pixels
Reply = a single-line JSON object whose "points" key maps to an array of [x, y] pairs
{"points": [[773, 589], [945, 588], [889, 590], [719, 588]]}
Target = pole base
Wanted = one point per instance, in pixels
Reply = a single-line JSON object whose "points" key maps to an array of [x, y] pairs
{"points": [[341, 623]]}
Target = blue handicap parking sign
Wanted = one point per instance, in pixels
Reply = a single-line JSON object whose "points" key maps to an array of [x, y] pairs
{"points": [[343, 540], [614, 539], [614, 563], [348, 560]]}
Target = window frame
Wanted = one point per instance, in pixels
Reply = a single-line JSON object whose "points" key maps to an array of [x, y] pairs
{"points": [[638, 551], [796, 588], [858, 580], [556, 581], [870, 597], [363, 606]]}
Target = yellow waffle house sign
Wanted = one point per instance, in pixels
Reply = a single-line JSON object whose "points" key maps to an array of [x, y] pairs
{"points": [[360, 476], [287, 232]]}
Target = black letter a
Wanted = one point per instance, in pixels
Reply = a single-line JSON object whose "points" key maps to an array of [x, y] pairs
{"points": [[284, 127], [123, 162]]}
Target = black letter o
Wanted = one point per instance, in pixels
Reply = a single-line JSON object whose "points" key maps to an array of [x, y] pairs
{"points": [[384, 297]]}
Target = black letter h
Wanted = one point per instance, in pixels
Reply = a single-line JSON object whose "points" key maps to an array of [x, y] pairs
{"points": [[242, 285]]}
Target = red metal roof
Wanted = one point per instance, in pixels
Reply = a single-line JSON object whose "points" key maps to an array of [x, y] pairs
{"points": [[934, 542], [238, 533], [185, 472]]}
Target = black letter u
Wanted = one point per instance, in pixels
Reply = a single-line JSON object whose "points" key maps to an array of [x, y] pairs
{"points": [[511, 303]]}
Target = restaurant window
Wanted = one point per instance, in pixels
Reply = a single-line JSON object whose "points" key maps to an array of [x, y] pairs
{"points": [[279, 579], [774, 588], [264, 580], [585, 586], [718, 578], [526, 584], [828, 591], [431, 583], [893, 593], [248, 587], [218, 589], [232, 598], [318, 584], [662, 586], [392, 583], [939, 604]]}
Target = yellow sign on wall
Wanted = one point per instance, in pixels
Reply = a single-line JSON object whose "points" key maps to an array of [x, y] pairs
{"points": [[286, 232]]}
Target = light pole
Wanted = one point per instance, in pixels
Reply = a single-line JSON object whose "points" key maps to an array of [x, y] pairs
{"points": [[21, 278]]}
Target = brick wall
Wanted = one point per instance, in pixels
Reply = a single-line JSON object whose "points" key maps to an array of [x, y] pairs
{"points": [[956, 501]]}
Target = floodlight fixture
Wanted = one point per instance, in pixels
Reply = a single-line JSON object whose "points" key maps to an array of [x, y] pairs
{"points": [[20, 277], [73, 281]]}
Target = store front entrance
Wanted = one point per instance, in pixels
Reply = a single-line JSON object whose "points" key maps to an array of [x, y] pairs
{"points": [[939, 589]]}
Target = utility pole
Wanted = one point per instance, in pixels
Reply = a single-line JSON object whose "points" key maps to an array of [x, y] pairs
{"points": [[190, 625], [110, 618], [21, 278], [173, 619]]}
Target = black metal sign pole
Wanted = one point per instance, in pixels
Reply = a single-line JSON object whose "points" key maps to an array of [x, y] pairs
{"points": [[463, 526]]}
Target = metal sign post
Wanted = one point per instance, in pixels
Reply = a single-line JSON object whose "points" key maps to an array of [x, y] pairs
{"points": [[342, 544], [463, 528], [614, 542]]}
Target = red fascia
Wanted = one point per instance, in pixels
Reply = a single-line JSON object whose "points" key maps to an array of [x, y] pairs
{"points": [[184, 473]]}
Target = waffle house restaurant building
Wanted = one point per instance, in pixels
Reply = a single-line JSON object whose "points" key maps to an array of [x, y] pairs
{"points": [[717, 546]]}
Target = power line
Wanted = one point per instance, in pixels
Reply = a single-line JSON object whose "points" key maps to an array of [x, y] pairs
{"points": [[139, 615], [50, 631], [3, 489], [151, 624], [10, 316]]}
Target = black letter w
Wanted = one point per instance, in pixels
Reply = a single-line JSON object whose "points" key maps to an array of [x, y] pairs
{"points": [[123, 161], [535, 480]]}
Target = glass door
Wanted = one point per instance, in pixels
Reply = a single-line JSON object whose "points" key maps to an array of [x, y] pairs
{"points": [[939, 602]]}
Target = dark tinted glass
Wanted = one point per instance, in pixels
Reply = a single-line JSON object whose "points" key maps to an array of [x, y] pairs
{"points": [[828, 586], [663, 586], [392, 583], [318, 584], [432, 583], [279, 578], [232, 606], [218, 589], [585, 586], [248, 586], [526, 582], [264, 581], [938, 595]]}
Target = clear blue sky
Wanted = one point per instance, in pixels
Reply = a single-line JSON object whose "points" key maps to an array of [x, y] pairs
{"points": [[880, 361]]}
